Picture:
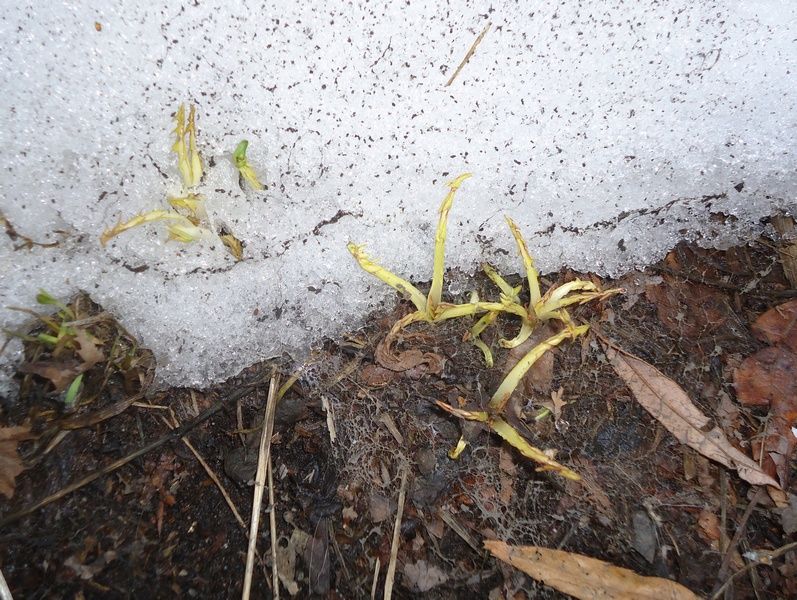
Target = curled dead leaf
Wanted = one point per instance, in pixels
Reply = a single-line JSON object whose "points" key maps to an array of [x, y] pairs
{"points": [[408, 360], [376, 376]]}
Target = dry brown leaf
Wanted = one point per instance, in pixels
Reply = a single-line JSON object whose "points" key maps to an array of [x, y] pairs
{"points": [[422, 577], [88, 349], [671, 406], [377, 376], [10, 462], [778, 325], [690, 310], [766, 378], [60, 373], [408, 360], [709, 525], [584, 577]]}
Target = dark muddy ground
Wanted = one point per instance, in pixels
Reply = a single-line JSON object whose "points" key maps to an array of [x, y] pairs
{"points": [[159, 526]]}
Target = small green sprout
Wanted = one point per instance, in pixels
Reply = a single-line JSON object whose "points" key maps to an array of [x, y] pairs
{"points": [[243, 166], [44, 297], [71, 393], [189, 162]]}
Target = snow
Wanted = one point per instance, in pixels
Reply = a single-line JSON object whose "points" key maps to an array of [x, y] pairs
{"points": [[607, 131]]}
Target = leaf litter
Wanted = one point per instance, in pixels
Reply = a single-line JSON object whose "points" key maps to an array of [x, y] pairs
{"points": [[647, 505]]}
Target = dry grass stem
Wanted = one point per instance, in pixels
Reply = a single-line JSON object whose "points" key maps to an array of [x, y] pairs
{"points": [[260, 481], [377, 566], [470, 53], [391, 569]]}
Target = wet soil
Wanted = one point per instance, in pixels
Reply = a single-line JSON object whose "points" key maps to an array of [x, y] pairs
{"points": [[349, 428]]}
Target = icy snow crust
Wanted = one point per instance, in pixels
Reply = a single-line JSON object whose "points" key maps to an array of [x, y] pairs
{"points": [[607, 130]]}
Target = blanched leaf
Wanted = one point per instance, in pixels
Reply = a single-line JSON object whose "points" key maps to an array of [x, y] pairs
{"points": [[671, 406], [512, 437], [584, 577]]}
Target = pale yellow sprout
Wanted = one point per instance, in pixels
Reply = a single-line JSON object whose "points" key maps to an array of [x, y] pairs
{"points": [[428, 308], [188, 232], [403, 286], [512, 379], [436, 291], [552, 304], [475, 332], [528, 262], [510, 435], [194, 204], [188, 157], [155, 215], [511, 292]]}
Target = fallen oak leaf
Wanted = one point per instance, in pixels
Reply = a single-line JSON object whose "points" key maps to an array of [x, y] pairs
{"points": [[61, 374], [586, 578], [667, 402], [10, 461], [88, 349]]}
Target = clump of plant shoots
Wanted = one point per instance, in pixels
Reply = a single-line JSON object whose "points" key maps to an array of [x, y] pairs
{"points": [[185, 226], [551, 305]]}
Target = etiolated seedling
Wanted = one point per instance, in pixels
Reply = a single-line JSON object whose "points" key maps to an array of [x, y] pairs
{"points": [[541, 307], [185, 222]]}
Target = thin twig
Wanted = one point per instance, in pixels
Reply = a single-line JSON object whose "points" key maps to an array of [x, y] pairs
{"points": [[338, 553], [391, 568], [209, 471], [377, 566], [172, 435], [740, 528], [260, 481], [766, 559], [449, 520], [470, 53]]}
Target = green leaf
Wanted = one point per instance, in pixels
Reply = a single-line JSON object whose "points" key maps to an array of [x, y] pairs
{"points": [[74, 387]]}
